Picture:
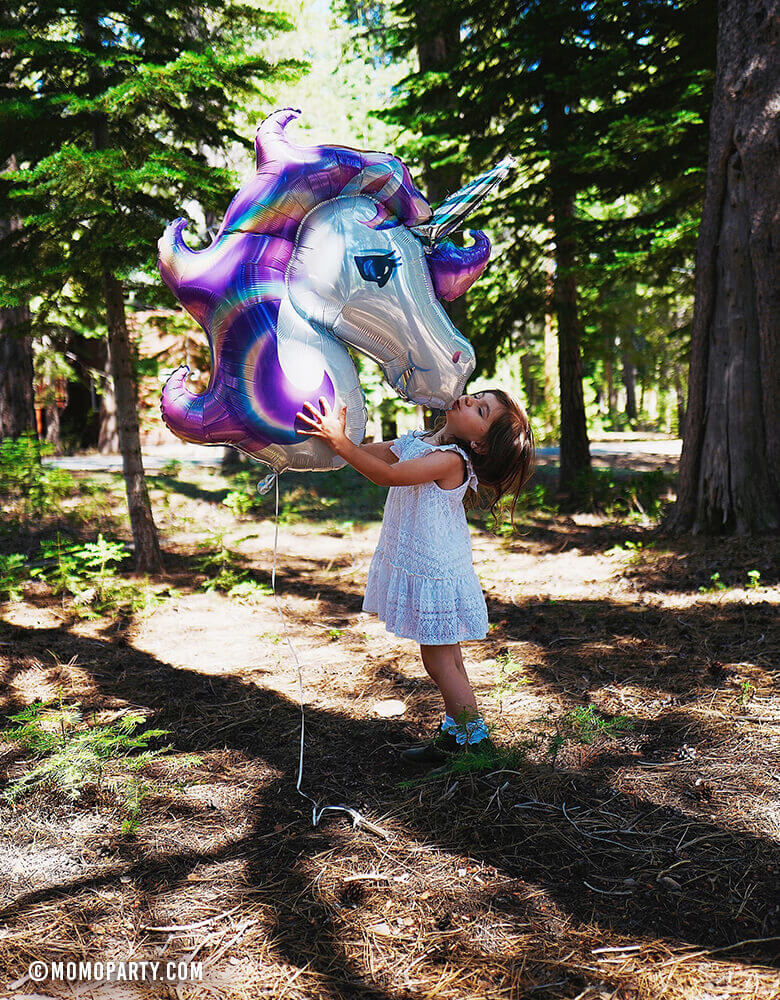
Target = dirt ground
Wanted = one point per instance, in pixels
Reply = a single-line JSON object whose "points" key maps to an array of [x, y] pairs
{"points": [[641, 865]]}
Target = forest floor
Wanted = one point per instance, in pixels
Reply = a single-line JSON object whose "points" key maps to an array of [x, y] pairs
{"points": [[623, 844]]}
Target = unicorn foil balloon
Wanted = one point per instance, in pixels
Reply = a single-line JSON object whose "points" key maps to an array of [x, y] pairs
{"points": [[318, 252]]}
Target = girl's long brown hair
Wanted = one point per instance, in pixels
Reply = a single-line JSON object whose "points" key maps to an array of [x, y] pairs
{"points": [[507, 462]]}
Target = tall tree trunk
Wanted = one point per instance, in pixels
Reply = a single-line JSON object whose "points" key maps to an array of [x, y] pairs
{"points": [[437, 51], [148, 558], [551, 376], [147, 547], [730, 464], [79, 419], [16, 362], [575, 450], [53, 431], [108, 434], [230, 461], [611, 398], [574, 476], [529, 382], [629, 384], [679, 393], [16, 374]]}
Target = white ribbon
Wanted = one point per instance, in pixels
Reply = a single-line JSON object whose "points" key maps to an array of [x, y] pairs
{"points": [[317, 811]]}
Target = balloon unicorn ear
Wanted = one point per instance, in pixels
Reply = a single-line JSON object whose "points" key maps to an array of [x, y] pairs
{"points": [[455, 269]]}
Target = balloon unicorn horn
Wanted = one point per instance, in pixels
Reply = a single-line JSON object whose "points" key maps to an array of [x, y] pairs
{"points": [[325, 248]]}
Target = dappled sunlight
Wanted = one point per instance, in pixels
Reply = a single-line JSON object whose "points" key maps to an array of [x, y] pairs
{"points": [[633, 722]]}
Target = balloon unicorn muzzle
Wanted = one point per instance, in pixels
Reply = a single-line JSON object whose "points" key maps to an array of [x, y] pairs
{"points": [[323, 249]]}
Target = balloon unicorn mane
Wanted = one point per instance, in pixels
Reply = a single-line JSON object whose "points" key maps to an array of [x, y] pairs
{"points": [[317, 251]]}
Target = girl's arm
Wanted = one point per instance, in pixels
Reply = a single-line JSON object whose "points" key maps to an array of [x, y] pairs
{"points": [[442, 467], [381, 449]]}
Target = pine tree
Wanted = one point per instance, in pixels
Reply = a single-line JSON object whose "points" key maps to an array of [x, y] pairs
{"points": [[597, 102], [115, 116]]}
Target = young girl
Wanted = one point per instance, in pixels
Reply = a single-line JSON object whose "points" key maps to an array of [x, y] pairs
{"points": [[421, 582]]}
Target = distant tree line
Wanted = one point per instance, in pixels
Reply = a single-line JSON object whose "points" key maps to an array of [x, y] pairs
{"points": [[110, 120]]}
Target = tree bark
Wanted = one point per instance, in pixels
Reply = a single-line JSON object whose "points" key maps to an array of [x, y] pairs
{"points": [[79, 419], [17, 416], [551, 364], [574, 475], [108, 435], [529, 382], [53, 431], [148, 558], [679, 393], [575, 450], [611, 395], [16, 363], [147, 547], [629, 384], [730, 464], [438, 50]]}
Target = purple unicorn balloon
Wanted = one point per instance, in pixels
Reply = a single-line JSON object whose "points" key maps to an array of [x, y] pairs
{"points": [[317, 251]]}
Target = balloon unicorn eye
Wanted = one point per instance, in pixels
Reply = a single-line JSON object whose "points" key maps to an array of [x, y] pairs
{"points": [[377, 267]]}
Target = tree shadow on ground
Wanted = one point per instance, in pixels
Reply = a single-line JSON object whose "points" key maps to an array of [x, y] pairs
{"points": [[658, 562], [585, 642], [553, 869], [194, 491], [597, 641]]}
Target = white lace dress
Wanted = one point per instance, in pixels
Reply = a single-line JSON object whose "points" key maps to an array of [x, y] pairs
{"points": [[421, 582]]}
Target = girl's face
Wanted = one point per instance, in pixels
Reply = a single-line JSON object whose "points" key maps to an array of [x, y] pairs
{"points": [[471, 416]]}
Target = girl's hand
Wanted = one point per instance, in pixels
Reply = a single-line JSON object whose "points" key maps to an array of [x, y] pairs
{"points": [[325, 424]]}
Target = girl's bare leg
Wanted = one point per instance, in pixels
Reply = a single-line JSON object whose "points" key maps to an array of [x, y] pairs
{"points": [[444, 665]]}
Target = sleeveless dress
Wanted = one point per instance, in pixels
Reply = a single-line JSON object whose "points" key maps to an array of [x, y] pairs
{"points": [[421, 581]]}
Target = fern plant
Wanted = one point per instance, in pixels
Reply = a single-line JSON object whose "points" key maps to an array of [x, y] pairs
{"points": [[87, 573], [72, 754]]}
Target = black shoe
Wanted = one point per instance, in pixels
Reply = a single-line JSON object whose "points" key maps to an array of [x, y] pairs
{"points": [[436, 751]]}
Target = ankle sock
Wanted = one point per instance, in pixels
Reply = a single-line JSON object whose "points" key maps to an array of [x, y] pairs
{"points": [[476, 731], [470, 732]]}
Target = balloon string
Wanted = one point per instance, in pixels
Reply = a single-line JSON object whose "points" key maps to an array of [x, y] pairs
{"points": [[317, 811]]}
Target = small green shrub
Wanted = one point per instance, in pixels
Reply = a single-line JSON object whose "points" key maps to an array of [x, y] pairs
{"points": [[24, 479], [584, 724], [13, 571], [84, 571], [634, 550], [715, 585], [539, 499], [510, 676], [240, 502], [642, 497], [71, 754], [230, 578], [754, 579], [746, 691]]}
